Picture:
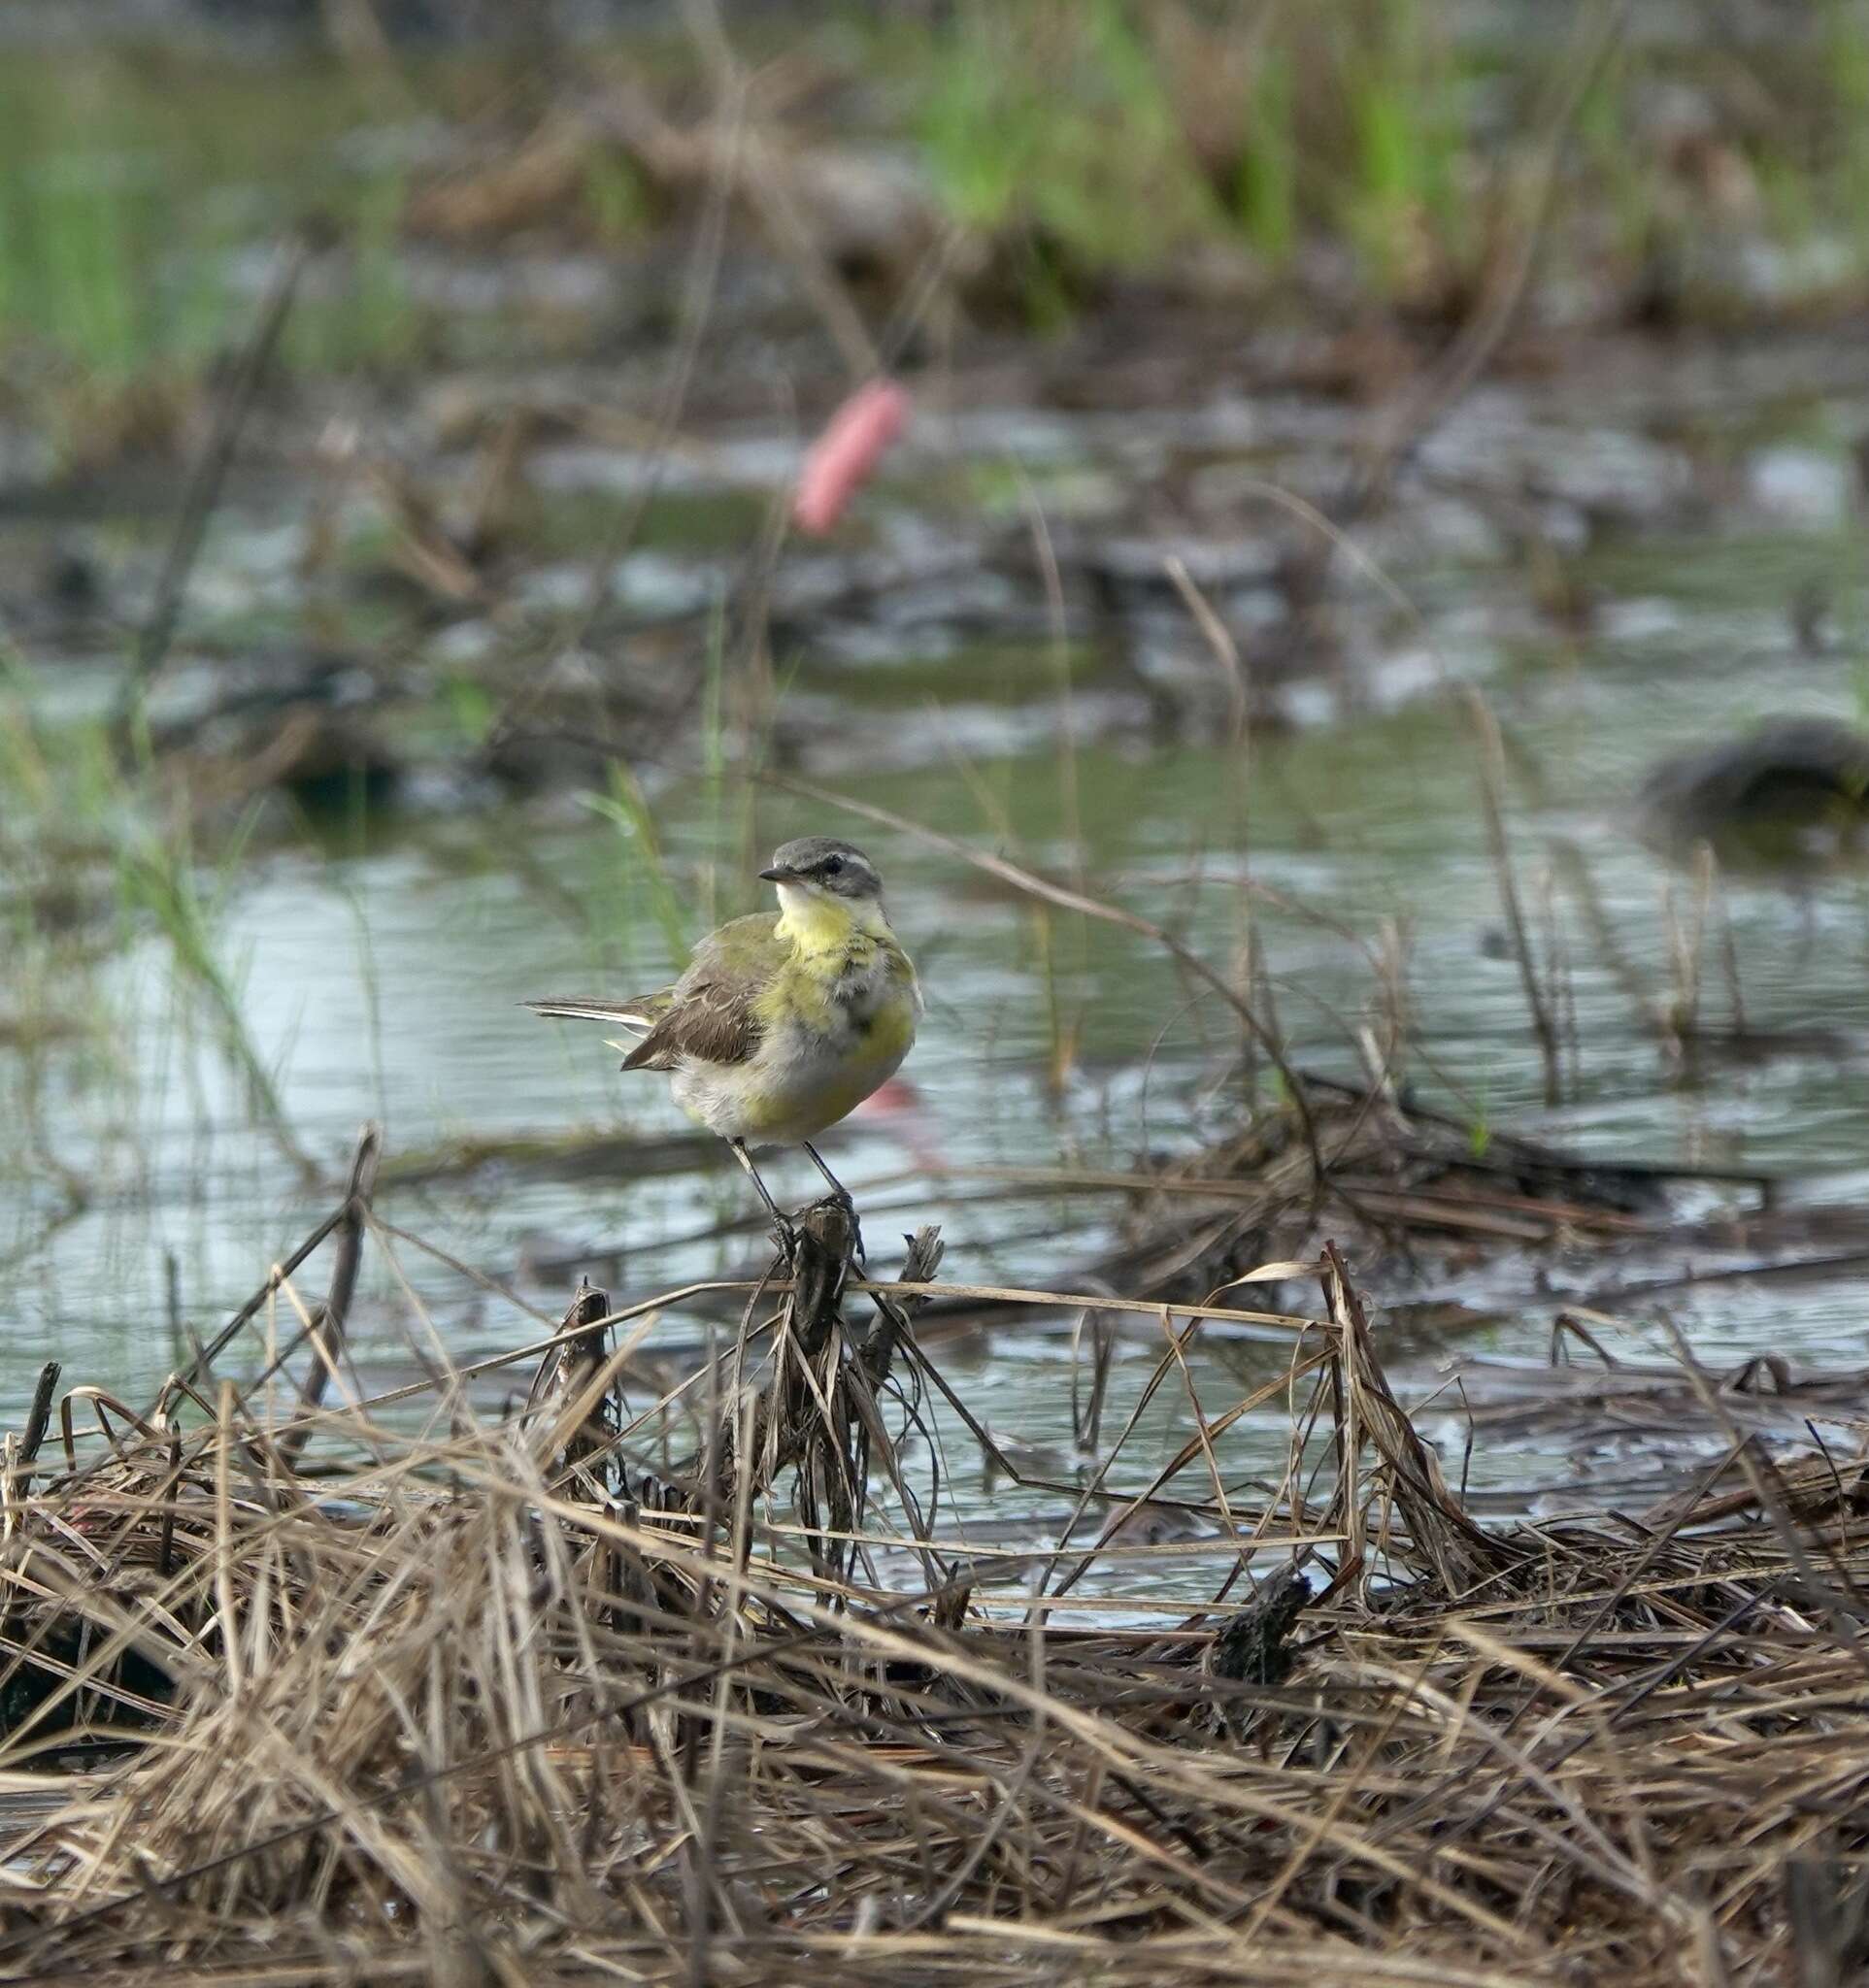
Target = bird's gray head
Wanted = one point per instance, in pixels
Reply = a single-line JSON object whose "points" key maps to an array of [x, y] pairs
{"points": [[820, 863]]}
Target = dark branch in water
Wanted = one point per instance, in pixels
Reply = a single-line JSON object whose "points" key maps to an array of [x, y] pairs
{"points": [[328, 1321], [203, 491]]}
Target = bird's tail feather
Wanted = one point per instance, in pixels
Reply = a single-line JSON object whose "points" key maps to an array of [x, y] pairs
{"points": [[629, 1014]]}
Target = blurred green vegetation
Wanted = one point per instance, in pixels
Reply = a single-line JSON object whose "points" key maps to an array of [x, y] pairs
{"points": [[1088, 141], [130, 183], [1118, 136]]}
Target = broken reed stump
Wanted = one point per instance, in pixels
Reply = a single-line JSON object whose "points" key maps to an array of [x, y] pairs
{"points": [[571, 1395], [1366, 1414], [796, 1394]]}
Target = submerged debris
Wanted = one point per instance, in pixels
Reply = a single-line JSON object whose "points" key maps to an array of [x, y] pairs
{"points": [[1406, 1182], [1791, 797]]}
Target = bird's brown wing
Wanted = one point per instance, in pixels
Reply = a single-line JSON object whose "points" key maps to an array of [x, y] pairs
{"points": [[709, 1012], [711, 1020]]}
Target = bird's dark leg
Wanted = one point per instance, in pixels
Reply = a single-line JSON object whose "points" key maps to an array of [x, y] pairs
{"points": [[781, 1223], [838, 1192], [841, 1197]]}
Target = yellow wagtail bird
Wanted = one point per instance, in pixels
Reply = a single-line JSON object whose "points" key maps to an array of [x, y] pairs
{"points": [[781, 1024]]}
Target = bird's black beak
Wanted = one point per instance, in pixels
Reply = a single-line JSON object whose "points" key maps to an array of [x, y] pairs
{"points": [[778, 874]]}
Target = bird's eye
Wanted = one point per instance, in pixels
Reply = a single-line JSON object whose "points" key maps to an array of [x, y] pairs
{"points": [[833, 865]]}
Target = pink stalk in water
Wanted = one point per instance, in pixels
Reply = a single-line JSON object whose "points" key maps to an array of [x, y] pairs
{"points": [[897, 1106], [845, 457]]}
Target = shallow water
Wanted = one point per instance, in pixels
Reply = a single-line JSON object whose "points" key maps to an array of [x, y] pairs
{"points": [[379, 965]]}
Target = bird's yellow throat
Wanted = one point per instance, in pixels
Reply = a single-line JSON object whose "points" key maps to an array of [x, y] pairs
{"points": [[816, 923]]}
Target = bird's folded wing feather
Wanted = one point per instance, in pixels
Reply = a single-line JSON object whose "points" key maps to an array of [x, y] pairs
{"points": [[711, 1021], [709, 1013]]}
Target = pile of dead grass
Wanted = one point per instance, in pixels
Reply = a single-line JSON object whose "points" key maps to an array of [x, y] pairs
{"points": [[326, 1694]]}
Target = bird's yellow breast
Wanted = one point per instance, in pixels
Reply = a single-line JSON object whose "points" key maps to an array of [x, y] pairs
{"points": [[864, 988], [837, 1018]]}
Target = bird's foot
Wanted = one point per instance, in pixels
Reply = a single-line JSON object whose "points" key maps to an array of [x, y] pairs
{"points": [[784, 1234]]}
